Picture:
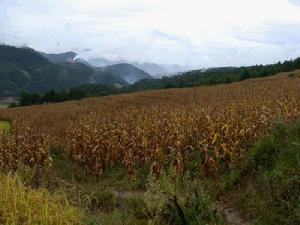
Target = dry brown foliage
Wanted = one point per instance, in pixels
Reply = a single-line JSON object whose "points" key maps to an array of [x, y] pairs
{"points": [[158, 127]]}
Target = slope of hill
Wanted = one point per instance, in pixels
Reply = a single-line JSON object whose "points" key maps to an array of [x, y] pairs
{"points": [[106, 77], [127, 72], [23, 58], [24, 69]]}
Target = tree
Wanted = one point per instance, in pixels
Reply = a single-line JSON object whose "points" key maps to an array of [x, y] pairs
{"points": [[76, 94], [27, 98], [245, 75], [49, 96]]}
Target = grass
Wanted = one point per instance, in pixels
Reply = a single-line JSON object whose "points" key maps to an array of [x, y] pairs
{"points": [[23, 205], [270, 181], [4, 126], [100, 197]]}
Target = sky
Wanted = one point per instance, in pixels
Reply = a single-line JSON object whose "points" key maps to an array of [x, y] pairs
{"points": [[195, 33]]}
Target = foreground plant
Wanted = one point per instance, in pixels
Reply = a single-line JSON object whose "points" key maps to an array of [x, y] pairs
{"points": [[22, 205]]}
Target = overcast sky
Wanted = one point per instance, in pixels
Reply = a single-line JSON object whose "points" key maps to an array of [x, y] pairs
{"points": [[201, 33]]}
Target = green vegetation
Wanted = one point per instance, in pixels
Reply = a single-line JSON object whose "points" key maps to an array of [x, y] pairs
{"points": [[272, 193], [180, 200], [75, 93], [266, 189]]}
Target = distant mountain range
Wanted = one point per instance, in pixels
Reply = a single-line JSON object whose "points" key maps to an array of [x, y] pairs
{"points": [[151, 68], [115, 73], [24, 69]]}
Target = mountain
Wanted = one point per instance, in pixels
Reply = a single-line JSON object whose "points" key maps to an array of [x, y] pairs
{"points": [[24, 69], [116, 74], [151, 68], [127, 72], [25, 58], [105, 77], [60, 57]]}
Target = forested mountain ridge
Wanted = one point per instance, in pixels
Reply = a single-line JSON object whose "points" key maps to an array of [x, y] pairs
{"points": [[23, 69]]}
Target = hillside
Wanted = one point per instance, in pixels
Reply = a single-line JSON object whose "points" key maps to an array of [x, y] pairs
{"points": [[127, 72], [23, 69], [24, 58], [107, 77]]}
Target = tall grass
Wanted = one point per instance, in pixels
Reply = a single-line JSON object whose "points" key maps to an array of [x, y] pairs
{"points": [[4, 126], [22, 205]]}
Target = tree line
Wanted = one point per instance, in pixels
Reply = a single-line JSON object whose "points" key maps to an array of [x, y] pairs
{"points": [[75, 93]]}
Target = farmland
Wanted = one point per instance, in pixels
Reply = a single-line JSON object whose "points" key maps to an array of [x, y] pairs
{"points": [[202, 131]]}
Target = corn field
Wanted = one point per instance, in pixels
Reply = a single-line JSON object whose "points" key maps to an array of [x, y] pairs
{"points": [[204, 129]]}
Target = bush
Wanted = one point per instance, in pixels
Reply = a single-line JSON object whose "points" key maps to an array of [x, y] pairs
{"points": [[273, 194], [103, 199], [181, 201]]}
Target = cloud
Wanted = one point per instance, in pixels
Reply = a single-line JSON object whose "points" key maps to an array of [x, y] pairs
{"points": [[199, 33]]}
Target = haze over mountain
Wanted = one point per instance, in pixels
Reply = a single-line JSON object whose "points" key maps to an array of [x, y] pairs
{"points": [[127, 72], [151, 68]]}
